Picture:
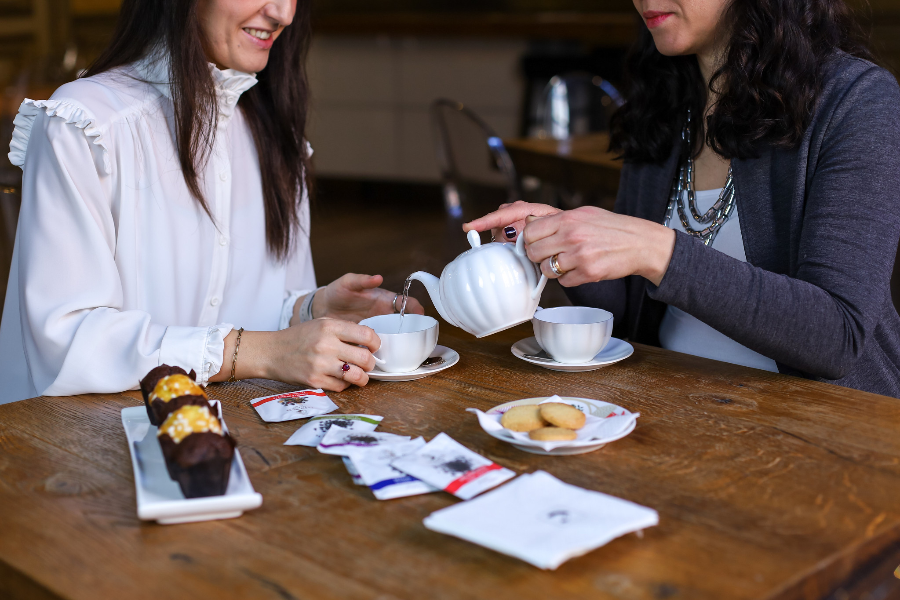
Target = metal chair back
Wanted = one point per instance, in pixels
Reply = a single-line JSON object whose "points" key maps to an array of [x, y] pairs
{"points": [[470, 156]]}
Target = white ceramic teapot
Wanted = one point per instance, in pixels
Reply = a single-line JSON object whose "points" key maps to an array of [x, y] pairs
{"points": [[487, 288]]}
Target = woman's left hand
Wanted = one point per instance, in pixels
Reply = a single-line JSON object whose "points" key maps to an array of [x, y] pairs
{"points": [[592, 244], [355, 297]]}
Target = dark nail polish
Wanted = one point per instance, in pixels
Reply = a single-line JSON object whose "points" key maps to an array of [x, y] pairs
{"points": [[509, 232]]}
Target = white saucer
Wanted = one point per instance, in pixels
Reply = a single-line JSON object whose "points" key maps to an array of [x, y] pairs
{"points": [[451, 357], [595, 408], [615, 351]]}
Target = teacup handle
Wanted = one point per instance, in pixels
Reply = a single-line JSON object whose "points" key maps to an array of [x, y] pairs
{"points": [[379, 361]]}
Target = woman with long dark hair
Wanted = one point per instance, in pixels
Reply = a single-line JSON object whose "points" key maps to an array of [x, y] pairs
{"points": [[757, 217], [165, 215]]}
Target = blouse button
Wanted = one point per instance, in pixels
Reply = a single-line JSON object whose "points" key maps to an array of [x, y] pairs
{"points": [[214, 301], [222, 241], [223, 176]]}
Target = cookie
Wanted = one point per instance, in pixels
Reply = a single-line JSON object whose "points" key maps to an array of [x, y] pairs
{"points": [[552, 434], [562, 415], [523, 418]]}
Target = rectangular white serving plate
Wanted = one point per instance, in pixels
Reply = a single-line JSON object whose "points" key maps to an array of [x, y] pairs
{"points": [[159, 497]]}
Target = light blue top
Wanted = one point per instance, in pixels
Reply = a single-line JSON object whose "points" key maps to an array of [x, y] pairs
{"points": [[681, 332]]}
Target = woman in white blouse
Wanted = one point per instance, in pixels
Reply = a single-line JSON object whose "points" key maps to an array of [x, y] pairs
{"points": [[165, 218]]}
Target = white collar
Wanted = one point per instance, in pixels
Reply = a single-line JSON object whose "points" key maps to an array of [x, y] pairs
{"points": [[229, 83]]}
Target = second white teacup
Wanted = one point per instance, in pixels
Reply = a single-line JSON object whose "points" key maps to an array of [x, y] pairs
{"points": [[403, 350], [572, 334]]}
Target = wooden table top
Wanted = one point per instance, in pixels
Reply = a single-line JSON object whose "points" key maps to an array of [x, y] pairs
{"points": [[591, 149], [767, 486], [582, 163]]}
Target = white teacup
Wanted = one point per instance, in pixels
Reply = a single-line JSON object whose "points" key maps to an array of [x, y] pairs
{"points": [[403, 350], [572, 334]]}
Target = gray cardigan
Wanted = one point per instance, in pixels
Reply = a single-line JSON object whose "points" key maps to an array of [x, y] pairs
{"points": [[820, 224]]}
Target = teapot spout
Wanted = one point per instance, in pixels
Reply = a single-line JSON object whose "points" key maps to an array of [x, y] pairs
{"points": [[433, 285]]}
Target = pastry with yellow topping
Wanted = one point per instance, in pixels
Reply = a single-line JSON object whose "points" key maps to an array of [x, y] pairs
{"points": [[166, 389], [197, 450]]}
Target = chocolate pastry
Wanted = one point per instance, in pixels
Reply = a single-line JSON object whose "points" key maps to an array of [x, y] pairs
{"points": [[198, 452], [166, 389]]}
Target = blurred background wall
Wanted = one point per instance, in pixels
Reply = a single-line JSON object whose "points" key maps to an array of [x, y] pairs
{"points": [[376, 67]]}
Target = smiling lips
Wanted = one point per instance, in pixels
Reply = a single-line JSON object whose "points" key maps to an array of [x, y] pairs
{"points": [[261, 37], [655, 18]]}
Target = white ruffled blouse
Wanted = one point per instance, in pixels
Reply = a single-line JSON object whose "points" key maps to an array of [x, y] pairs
{"points": [[116, 267]]}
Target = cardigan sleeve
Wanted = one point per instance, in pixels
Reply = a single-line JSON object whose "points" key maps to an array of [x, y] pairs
{"points": [[76, 335], [820, 320]]}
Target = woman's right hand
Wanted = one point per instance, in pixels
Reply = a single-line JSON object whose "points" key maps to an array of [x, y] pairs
{"points": [[509, 216], [311, 353]]}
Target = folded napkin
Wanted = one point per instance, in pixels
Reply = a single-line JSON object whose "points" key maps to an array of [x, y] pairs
{"points": [[541, 520], [595, 429], [448, 465], [293, 405]]}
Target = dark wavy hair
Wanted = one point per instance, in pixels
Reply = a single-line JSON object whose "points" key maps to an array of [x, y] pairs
{"points": [[768, 84], [275, 108]]}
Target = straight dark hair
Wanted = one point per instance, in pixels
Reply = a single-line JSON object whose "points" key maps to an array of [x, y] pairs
{"points": [[275, 108], [768, 84]]}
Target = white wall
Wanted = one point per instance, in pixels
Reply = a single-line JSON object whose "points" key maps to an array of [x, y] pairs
{"points": [[370, 99]]}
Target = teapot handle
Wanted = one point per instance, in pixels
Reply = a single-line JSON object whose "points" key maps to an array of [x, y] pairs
{"points": [[520, 250]]}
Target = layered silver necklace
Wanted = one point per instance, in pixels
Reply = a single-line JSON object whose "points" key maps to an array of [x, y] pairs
{"points": [[713, 219]]}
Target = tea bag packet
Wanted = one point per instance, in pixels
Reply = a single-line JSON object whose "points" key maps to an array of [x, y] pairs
{"points": [[293, 405], [316, 428], [340, 441], [544, 521], [374, 467], [448, 465], [357, 479]]}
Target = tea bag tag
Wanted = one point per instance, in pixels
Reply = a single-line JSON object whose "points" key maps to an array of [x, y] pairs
{"points": [[474, 238]]}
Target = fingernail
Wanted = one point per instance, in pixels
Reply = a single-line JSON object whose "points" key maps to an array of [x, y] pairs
{"points": [[509, 232]]}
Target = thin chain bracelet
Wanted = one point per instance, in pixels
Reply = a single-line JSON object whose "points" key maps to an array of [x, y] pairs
{"points": [[237, 347]]}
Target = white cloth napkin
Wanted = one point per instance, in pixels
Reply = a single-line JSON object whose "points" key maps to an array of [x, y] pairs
{"points": [[595, 428], [541, 520]]}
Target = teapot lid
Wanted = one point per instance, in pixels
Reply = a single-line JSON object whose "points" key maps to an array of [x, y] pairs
{"points": [[474, 238]]}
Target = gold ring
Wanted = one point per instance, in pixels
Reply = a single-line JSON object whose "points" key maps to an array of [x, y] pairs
{"points": [[554, 266]]}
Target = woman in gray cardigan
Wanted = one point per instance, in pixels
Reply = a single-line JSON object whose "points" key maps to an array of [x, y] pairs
{"points": [[756, 220]]}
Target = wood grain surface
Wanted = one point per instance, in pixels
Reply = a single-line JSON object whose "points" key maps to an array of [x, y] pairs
{"points": [[767, 486], [582, 163]]}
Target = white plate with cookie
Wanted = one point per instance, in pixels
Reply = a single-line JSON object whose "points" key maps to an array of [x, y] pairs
{"points": [[600, 424], [441, 358], [530, 351]]}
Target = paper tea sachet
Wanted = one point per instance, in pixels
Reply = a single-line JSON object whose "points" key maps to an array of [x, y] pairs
{"points": [[316, 428], [446, 464], [357, 479], [544, 521], [374, 466], [340, 441], [293, 405]]}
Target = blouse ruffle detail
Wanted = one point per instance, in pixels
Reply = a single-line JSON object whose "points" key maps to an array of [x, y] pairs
{"points": [[72, 114]]}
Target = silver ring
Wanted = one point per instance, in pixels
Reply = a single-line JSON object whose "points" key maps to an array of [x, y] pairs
{"points": [[554, 266], [394, 303]]}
